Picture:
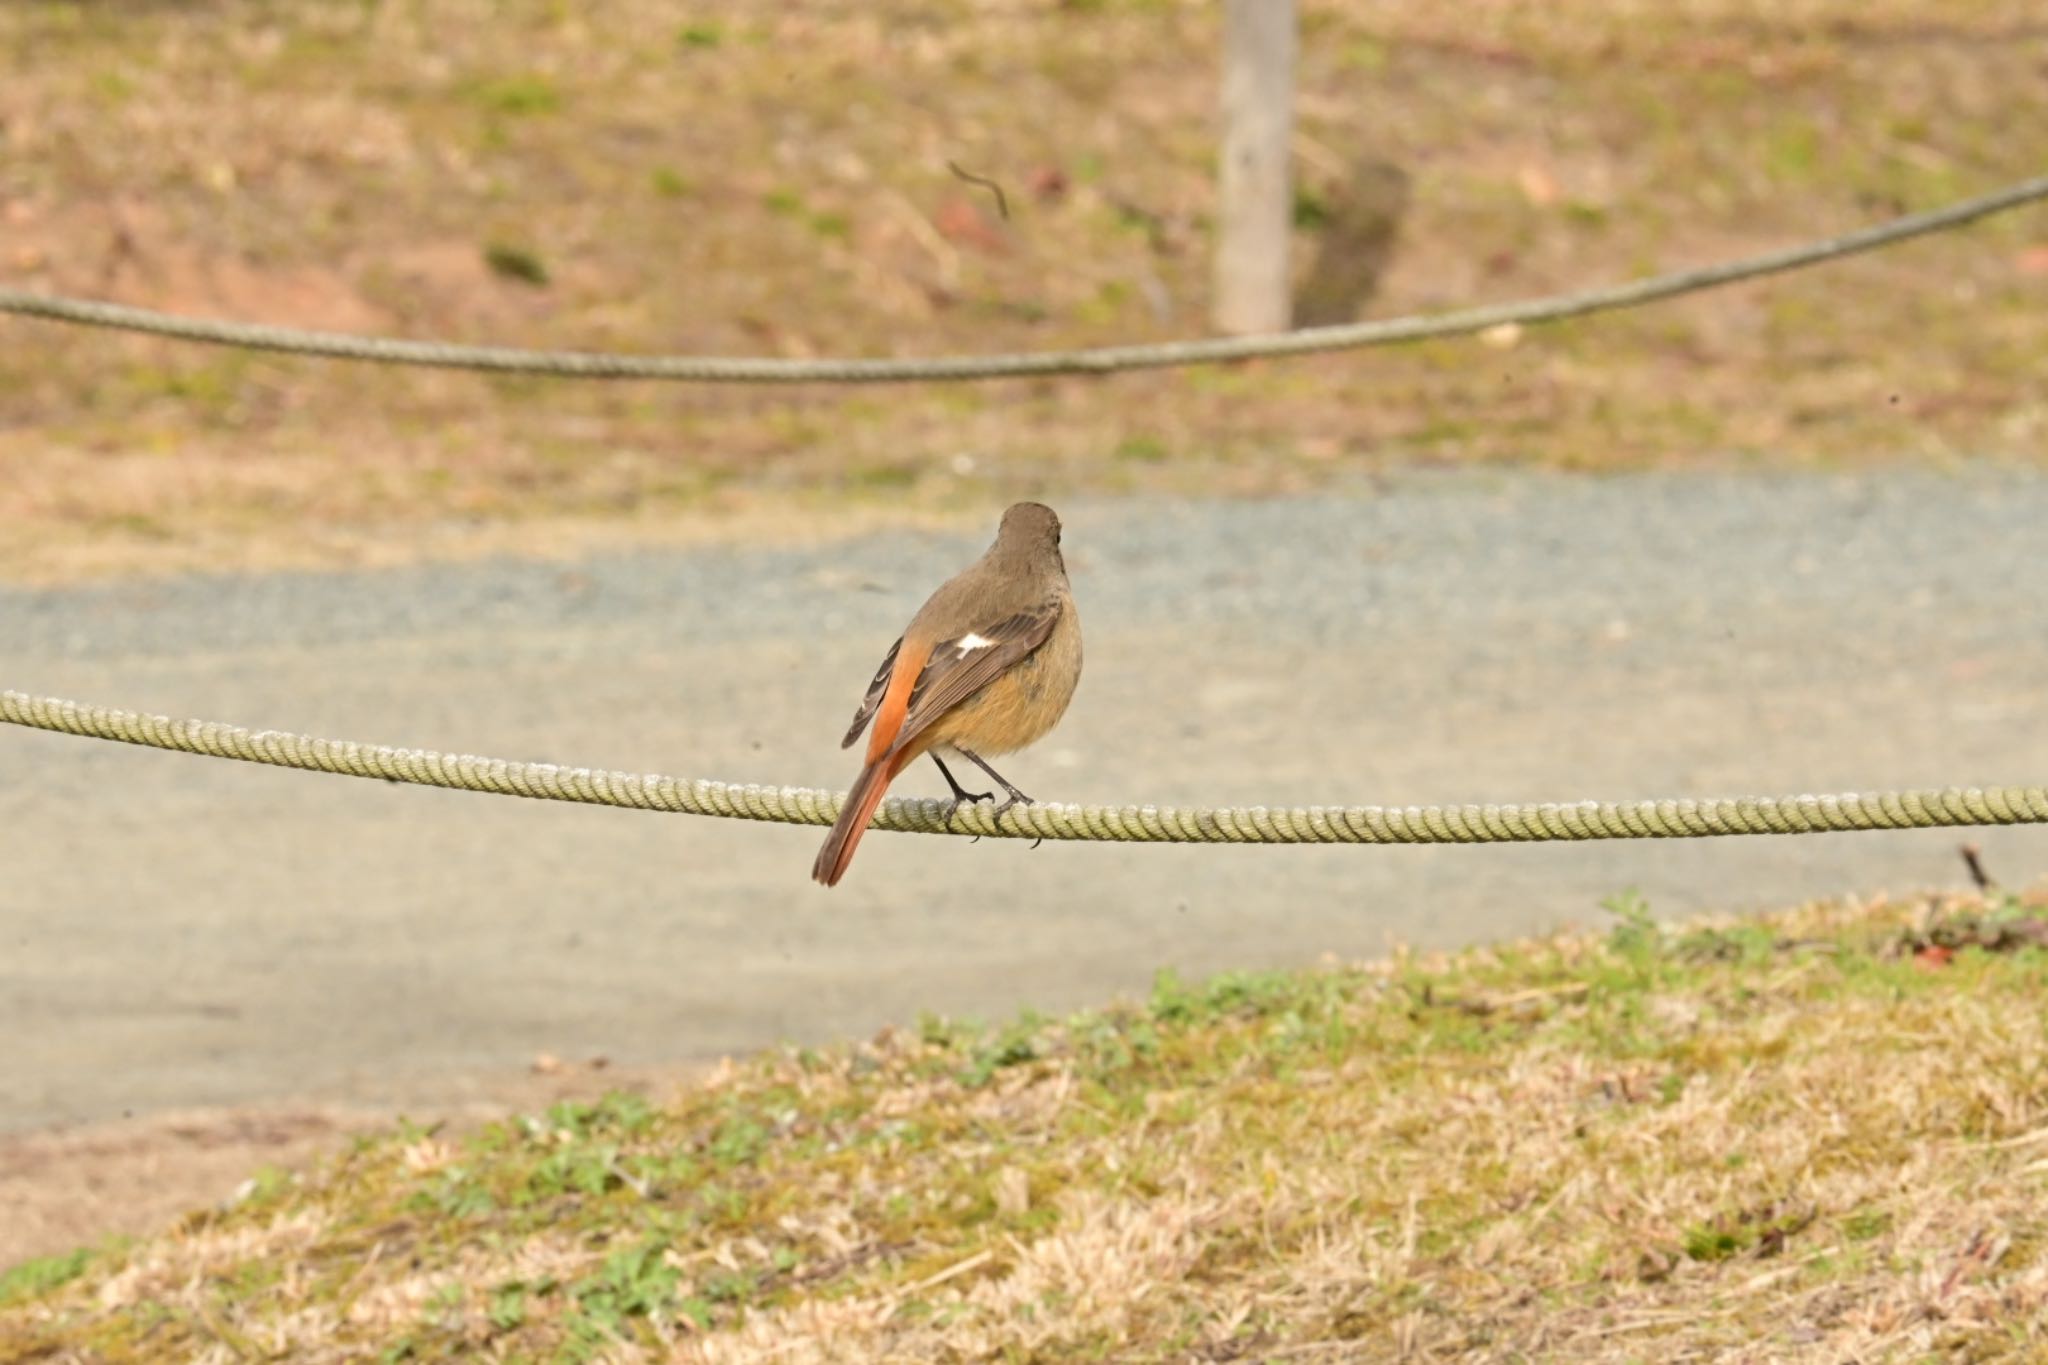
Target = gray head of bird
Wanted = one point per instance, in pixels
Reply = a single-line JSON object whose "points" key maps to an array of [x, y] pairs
{"points": [[1029, 524]]}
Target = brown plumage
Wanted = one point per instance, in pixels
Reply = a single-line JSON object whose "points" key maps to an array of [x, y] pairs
{"points": [[986, 666]]}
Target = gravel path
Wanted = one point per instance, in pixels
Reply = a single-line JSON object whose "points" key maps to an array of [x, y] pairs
{"points": [[184, 932]]}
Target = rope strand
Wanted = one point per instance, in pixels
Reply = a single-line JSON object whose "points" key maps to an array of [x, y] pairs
{"points": [[1464, 824], [1098, 360]]}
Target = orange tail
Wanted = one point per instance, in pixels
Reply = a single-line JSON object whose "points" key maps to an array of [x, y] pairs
{"points": [[867, 793]]}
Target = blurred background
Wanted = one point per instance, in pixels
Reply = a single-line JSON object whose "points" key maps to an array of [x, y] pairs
{"points": [[1772, 538], [748, 179]]}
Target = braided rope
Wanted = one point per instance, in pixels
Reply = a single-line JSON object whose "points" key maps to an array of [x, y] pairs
{"points": [[1099, 360], [1667, 819]]}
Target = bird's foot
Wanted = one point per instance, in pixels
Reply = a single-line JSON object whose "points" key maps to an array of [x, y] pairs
{"points": [[1011, 802], [964, 798], [961, 796], [1015, 799]]}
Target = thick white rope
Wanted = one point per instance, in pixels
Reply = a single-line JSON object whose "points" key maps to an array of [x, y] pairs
{"points": [[1666, 819]]}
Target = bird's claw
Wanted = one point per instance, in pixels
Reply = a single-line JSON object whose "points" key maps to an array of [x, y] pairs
{"points": [[964, 798], [1016, 798]]}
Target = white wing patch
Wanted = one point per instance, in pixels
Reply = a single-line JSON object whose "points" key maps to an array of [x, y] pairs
{"points": [[970, 642]]}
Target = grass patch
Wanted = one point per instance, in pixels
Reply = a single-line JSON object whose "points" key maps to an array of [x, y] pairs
{"points": [[39, 1276], [516, 263], [701, 35], [1650, 1143], [518, 96]]}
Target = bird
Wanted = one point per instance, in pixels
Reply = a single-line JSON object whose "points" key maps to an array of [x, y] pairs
{"points": [[986, 667]]}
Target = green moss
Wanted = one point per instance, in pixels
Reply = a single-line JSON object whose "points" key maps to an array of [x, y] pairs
{"points": [[517, 95], [1142, 449], [33, 1278], [513, 262], [1792, 151], [1311, 209], [669, 182], [113, 87]]}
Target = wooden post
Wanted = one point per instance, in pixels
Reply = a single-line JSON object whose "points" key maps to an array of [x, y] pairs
{"points": [[1255, 200]]}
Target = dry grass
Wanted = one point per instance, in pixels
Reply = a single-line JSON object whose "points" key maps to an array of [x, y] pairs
{"points": [[745, 180], [1824, 1131]]}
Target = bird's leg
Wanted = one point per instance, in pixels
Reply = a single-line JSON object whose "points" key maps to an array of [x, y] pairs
{"points": [[961, 796], [1015, 798]]}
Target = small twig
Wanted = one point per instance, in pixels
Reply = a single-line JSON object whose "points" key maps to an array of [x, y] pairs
{"points": [[376, 1254], [958, 1268], [1493, 1004], [630, 1181], [944, 257], [1306, 1348], [238, 1345], [1002, 200], [1973, 860]]}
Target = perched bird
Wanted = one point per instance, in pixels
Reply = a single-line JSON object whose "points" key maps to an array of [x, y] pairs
{"points": [[986, 666]]}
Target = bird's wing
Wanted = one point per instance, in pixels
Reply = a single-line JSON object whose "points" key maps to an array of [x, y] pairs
{"points": [[874, 697], [958, 668]]}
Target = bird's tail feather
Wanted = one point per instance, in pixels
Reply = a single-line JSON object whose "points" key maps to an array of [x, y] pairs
{"points": [[868, 790]]}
